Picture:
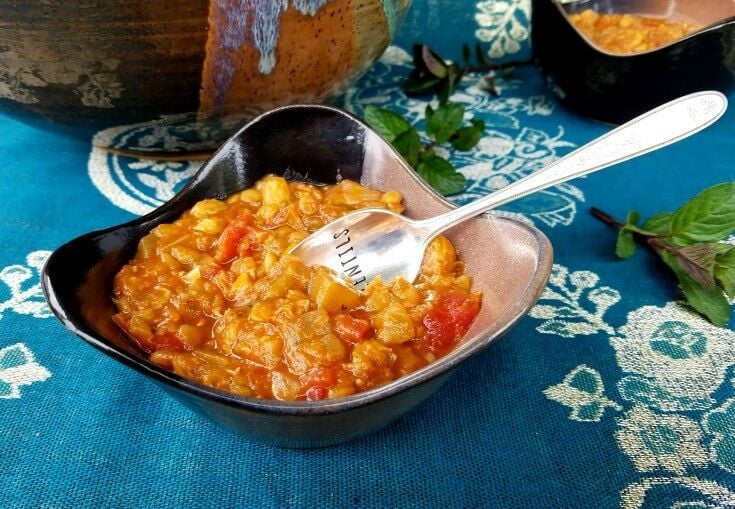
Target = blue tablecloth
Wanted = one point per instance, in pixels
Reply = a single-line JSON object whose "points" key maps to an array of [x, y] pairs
{"points": [[599, 398]]}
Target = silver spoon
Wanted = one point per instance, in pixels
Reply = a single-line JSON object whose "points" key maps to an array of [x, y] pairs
{"points": [[375, 242]]}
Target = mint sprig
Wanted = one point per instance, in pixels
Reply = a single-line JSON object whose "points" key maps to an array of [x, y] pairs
{"points": [[690, 241], [433, 74], [444, 125]]}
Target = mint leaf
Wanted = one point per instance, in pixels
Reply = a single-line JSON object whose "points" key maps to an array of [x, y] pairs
{"points": [[632, 218], [466, 138], [697, 266], [710, 303], [388, 123], [625, 245], [433, 62], [478, 123], [724, 270], [708, 217], [408, 144], [702, 254], [444, 122], [441, 175], [420, 85], [658, 223]]}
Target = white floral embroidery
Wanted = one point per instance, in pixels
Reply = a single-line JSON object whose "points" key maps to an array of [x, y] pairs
{"points": [[506, 153], [660, 442], [140, 185], [573, 305], [684, 357], [18, 367], [504, 24], [692, 505], [163, 176], [24, 285], [720, 422], [504, 159], [583, 391], [634, 496]]}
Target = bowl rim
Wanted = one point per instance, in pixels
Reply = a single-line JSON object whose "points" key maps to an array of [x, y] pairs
{"points": [[708, 28], [464, 351]]}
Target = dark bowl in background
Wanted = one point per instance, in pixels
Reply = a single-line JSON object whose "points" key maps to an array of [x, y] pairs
{"points": [[508, 260], [615, 88]]}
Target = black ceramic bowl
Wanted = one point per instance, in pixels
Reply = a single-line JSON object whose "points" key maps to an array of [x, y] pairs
{"points": [[615, 88], [509, 261]]}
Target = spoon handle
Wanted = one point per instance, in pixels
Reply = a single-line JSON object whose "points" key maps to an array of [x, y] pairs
{"points": [[655, 129]]}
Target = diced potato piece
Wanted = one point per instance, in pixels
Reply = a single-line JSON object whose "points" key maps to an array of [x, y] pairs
{"points": [[310, 343], [140, 328], [274, 190], [353, 193], [164, 357], [341, 391], [331, 294], [394, 324], [269, 260], [251, 196], [210, 225], [168, 230], [371, 360], [245, 265], [147, 246], [264, 350], [378, 296], [242, 284], [284, 387], [408, 294], [463, 281], [392, 198], [261, 312], [267, 212], [185, 255], [191, 337], [308, 204], [439, 258], [407, 360], [206, 208]]}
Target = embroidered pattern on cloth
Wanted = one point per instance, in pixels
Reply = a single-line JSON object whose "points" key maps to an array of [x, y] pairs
{"points": [[20, 291], [18, 367], [669, 419]]}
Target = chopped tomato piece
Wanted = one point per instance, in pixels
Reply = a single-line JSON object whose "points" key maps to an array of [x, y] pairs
{"points": [[230, 238], [450, 318], [147, 344], [318, 381], [321, 377], [353, 327]]}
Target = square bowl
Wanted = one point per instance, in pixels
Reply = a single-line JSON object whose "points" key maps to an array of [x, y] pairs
{"points": [[615, 88], [508, 260]]}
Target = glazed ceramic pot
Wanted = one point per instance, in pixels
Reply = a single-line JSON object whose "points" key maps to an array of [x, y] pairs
{"points": [[201, 66]]}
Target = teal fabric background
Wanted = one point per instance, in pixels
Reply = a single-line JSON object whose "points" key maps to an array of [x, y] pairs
{"points": [[610, 393]]}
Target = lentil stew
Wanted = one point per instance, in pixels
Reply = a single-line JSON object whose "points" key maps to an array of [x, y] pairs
{"points": [[215, 298], [629, 33]]}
